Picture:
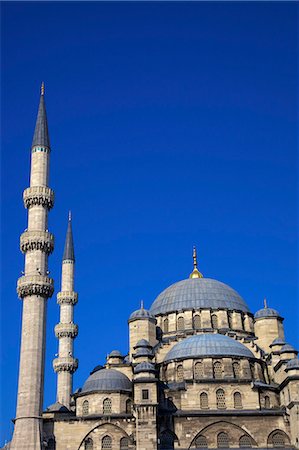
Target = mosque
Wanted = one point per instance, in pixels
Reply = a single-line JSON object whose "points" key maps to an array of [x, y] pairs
{"points": [[202, 371]]}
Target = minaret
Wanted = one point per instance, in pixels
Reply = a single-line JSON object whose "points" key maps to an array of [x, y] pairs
{"points": [[66, 331], [34, 288]]}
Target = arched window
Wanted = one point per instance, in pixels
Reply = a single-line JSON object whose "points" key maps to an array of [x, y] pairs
{"points": [[204, 400], [88, 444], [278, 440], [236, 369], [198, 370], [230, 319], [85, 408], [201, 442], [222, 440], [243, 321], [106, 442], [166, 441], [180, 373], [124, 443], [196, 322], [180, 323], [220, 399], [107, 406], [217, 369], [214, 320], [238, 400], [245, 442], [165, 325], [267, 402], [129, 406], [51, 444]]}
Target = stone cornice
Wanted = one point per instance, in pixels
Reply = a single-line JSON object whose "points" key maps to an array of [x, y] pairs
{"points": [[66, 330], [35, 285], [68, 297], [38, 195], [37, 240], [65, 364]]}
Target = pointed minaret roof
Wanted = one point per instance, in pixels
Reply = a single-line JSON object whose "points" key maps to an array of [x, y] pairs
{"points": [[41, 134], [69, 243]]}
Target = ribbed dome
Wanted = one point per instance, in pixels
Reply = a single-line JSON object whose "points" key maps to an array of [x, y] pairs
{"points": [[144, 367], [109, 380], [293, 364], [141, 314], [116, 353], [266, 312], [198, 293], [204, 345]]}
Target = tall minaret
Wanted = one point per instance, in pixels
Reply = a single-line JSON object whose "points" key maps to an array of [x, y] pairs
{"points": [[66, 331], [34, 288]]}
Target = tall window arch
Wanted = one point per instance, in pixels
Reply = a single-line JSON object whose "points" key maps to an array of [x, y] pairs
{"points": [[214, 320], [180, 373], [267, 402], [198, 370], [278, 440], [180, 323], [204, 400], [106, 443], [165, 325], [236, 369], [230, 319], [107, 406], [222, 440], [220, 399], [238, 400], [201, 442], [196, 322], [217, 369], [85, 408], [124, 443], [88, 444], [245, 442], [129, 406]]}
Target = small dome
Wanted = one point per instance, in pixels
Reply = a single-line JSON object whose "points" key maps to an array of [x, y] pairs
{"points": [[109, 380], [98, 367], [293, 364], [115, 353], [266, 313], [144, 352], [144, 367], [141, 314], [142, 343], [288, 348], [57, 407], [278, 341], [198, 293], [204, 345]]}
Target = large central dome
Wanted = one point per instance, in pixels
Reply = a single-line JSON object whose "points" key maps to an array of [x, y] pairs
{"points": [[198, 293]]}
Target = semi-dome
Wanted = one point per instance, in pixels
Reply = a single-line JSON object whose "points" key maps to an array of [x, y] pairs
{"points": [[266, 313], [109, 380], [278, 341], [57, 407], [198, 293], [288, 348], [293, 364], [144, 367], [205, 345]]}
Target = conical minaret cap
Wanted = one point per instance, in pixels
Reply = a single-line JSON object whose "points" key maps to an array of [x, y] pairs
{"points": [[69, 253], [41, 133]]}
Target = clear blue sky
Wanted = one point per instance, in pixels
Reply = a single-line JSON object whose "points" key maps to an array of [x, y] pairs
{"points": [[171, 124]]}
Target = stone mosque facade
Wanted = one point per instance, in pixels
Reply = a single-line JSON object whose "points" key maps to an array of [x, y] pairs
{"points": [[202, 371]]}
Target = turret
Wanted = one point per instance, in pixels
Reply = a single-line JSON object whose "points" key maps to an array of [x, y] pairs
{"points": [[142, 325], [66, 331], [34, 288], [268, 326]]}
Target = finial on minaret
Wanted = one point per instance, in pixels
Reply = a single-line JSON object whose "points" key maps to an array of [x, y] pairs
{"points": [[195, 273], [42, 89], [68, 253], [70, 216], [265, 303], [141, 304]]}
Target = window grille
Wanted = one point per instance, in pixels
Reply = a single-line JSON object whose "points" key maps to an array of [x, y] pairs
{"points": [[145, 394], [196, 322], [217, 369], [180, 374], [222, 440], [278, 440], [124, 443], [165, 326], [201, 442], [85, 408], [214, 321], [245, 442], [106, 442], [220, 399], [181, 324], [88, 444], [204, 400], [198, 370], [236, 369], [51, 444], [129, 406], [237, 400], [267, 402], [107, 406]]}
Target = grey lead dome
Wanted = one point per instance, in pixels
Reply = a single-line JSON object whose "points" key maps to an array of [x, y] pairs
{"points": [[108, 380], [205, 345], [198, 293]]}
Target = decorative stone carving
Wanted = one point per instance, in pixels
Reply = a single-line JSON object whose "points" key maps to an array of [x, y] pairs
{"points": [[68, 297], [35, 285], [38, 195], [37, 240], [66, 330], [67, 364]]}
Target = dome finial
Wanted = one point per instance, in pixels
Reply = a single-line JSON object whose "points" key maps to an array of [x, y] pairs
{"points": [[195, 273], [265, 303], [141, 304]]}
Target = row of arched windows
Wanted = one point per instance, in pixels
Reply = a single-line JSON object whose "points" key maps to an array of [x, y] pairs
{"points": [[276, 440], [197, 325], [107, 406], [220, 400], [218, 371], [106, 443]]}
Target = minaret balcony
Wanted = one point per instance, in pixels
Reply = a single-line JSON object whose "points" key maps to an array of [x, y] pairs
{"points": [[37, 240], [35, 285], [38, 195], [69, 330], [65, 364], [67, 297]]}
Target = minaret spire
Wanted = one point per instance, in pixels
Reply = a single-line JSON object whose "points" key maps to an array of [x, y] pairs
{"points": [[195, 273], [66, 331], [34, 288]]}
